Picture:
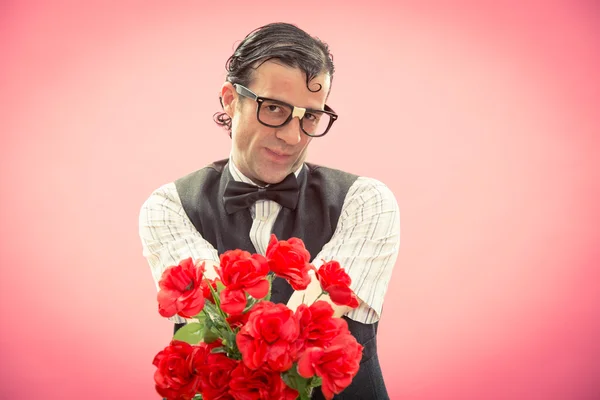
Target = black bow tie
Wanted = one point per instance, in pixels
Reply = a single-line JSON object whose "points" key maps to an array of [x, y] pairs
{"points": [[241, 195]]}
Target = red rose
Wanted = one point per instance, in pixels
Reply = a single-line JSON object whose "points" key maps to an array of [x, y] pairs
{"points": [[200, 353], [289, 260], [216, 375], [318, 327], [175, 377], [241, 270], [233, 301], [269, 337], [213, 369], [239, 320], [337, 365], [181, 290], [242, 273], [336, 282], [236, 321], [259, 384]]}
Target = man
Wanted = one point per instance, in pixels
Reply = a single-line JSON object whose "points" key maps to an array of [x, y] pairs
{"points": [[273, 100]]}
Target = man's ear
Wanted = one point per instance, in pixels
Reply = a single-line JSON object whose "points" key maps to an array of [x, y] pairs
{"points": [[229, 98]]}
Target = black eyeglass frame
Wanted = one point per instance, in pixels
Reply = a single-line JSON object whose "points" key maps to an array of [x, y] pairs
{"points": [[296, 111]]}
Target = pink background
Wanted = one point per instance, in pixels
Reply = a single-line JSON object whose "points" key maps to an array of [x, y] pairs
{"points": [[482, 119]]}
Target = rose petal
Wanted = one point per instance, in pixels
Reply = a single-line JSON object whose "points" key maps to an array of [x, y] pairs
{"points": [[260, 290], [233, 301], [306, 363]]}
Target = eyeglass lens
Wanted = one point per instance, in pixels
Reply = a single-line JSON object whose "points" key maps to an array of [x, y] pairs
{"points": [[275, 114]]}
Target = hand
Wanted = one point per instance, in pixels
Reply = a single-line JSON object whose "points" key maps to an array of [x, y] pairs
{"points": [[312, 293], [209, 268]]}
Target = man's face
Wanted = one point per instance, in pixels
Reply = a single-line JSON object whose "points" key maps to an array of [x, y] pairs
{"points": [[262, 153]]}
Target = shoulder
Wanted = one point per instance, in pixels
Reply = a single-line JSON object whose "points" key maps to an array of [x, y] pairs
{"points": [[371, 193], [327, 172], [165, 196], [329, 180], [366, 185], [361, 187], [213, 169], [191, 185], [169, 194]]}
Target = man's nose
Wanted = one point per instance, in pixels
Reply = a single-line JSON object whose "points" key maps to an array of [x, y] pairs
{"points": [[290, 132]]}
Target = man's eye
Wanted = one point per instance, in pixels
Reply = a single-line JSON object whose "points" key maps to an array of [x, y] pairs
{"points": [[273, 108], [310, 117]]}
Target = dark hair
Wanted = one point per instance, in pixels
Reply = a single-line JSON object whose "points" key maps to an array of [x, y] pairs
{"points": [[284, 42]]}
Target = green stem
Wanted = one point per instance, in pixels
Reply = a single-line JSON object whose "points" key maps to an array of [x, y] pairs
{"points": [[218, 304], [228, 334], [322, 293]]}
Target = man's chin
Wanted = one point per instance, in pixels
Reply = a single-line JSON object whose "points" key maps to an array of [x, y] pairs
{"points": [[273, 177], [273, 180], [270, 173]]}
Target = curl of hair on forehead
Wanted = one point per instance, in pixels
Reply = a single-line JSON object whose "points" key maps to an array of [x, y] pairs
{"points": [[281, 42]]}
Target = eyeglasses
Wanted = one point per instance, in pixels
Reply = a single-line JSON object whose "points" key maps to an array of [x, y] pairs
{"points": [[274, 113]]}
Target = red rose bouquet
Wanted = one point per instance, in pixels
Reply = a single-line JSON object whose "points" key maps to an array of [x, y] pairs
{"points": [[245, 347]]}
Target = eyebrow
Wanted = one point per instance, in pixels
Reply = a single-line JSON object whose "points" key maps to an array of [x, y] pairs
{"points": [[245, 88], [290, 104]]}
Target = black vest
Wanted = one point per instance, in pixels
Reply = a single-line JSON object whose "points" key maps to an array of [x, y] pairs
{"points": [[322, 194]]}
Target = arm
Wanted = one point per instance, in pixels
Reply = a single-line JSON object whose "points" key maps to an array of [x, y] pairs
{"points": [[365, 243], [168, 236]]}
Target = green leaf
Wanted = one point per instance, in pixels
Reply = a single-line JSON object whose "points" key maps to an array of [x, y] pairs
{"points": [[305, 395], [212, 312], [294, 380], [286, 378], [250, 302], [215, 293], [270, 277], [201, 317], [209, 308], [197, 397], [208, 322], [191, 333], [219, 350], [210, 336], [315, 381]]}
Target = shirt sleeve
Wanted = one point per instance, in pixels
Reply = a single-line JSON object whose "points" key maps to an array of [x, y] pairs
{"points": [[168, 236], [366, 243]]}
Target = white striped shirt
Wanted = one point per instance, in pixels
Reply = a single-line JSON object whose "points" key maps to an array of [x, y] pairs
{"points": [[365, 241]]}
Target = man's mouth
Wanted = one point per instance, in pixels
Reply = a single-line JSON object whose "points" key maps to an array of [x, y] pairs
{"points": [[279, 153]]}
